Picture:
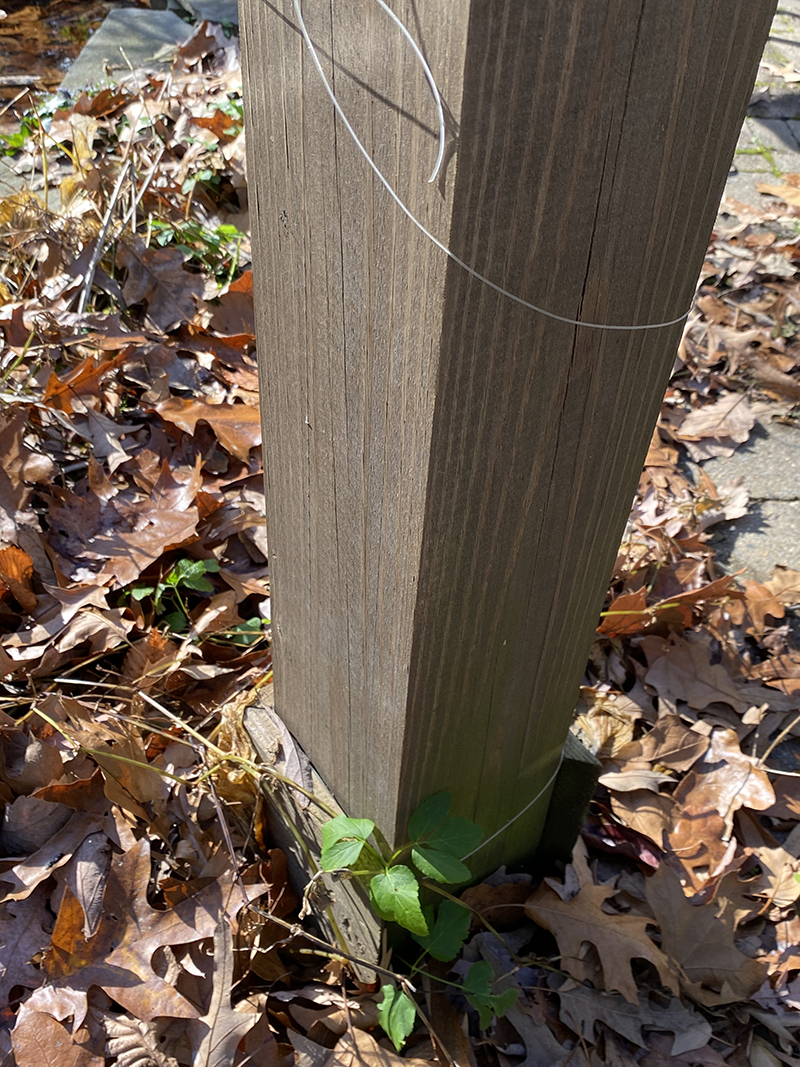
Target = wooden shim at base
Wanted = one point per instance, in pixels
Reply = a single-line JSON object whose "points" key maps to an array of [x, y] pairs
{"points": [[340, 908], [448, 472]]}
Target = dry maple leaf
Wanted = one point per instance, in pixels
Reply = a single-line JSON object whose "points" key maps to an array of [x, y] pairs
{"points": [[238, 426], [698, 939], [619, 939], [118, 958]]}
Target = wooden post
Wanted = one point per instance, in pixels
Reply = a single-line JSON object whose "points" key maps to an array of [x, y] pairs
{"points": [[449, 472]]}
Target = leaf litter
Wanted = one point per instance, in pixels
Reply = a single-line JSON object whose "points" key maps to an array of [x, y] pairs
{"points": [[134, 632]]}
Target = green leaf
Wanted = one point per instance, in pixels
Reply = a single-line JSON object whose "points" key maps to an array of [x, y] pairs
{"points": [[457, 836], [246, 633], [201, 585], [139, 592], [187, 570], [505, 1001], [397, 1014], [395, 893], [448, 932], [176, 621], [340, 854], [339, 828], [429, 815], [342, 841], [440, 866], [477, 989]]}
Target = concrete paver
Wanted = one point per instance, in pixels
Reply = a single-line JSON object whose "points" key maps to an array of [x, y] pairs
{"points": [[768, 149], [147, 38], [224, 11], [769, 463]]}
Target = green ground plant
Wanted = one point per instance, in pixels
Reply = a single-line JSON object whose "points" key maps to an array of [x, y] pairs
{"points": [[436, 843]]}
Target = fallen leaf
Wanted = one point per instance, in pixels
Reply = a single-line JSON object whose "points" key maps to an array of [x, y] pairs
{"points": [[788, 193], [784, 585], [238, 426], [22, 936], [698, 941], [156, 275], [221, 1028], [682, 670], [619, 939], [759, 603], [581, 1008], [135, 1043], [730, 418], [118, 957], [38, 1039], [673, 744], [723, 782], [360, 1049]]}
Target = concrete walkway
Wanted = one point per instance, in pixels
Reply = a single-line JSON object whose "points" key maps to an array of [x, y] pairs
{"points": [[768, 149]]}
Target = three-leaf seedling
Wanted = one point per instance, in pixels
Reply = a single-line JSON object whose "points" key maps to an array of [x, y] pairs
{"points": [[167, 595], [437, 844]]}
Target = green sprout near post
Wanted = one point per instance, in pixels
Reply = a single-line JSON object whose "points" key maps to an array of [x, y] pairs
{"points": [[437, 841]]}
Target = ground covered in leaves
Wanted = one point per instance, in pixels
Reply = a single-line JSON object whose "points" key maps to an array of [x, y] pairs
{"points": [[145, 909]]}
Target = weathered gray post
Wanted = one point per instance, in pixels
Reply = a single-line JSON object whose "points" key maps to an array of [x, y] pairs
{"points": [[448, 471]]}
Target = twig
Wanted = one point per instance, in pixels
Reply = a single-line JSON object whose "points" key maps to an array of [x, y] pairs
{"points": [[788, 729], [101, 237]]}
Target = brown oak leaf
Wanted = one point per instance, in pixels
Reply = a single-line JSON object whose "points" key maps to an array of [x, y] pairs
{"points": [[118, 957], [619, 939]]}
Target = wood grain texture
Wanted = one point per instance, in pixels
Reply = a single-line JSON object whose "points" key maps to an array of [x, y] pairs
{"points": [[448, 473]]}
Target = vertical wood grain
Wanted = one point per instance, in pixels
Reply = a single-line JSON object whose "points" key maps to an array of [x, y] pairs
{"points": [[449, 473]]}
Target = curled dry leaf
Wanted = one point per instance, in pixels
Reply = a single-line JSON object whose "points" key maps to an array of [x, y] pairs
{"points": [[135, 1043], [723, 782]]}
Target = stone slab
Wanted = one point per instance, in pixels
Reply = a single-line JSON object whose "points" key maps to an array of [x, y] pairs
{"points": [[769, 464], [224, 11], [147, 37], [768, 534]]}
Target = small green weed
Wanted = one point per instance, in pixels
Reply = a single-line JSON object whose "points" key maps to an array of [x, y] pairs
{"points": [[168, 596], [436, 842], [214, 250]]}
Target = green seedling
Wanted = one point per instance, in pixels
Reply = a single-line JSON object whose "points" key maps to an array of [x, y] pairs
{"points": [[437, 842], [168, 595]]}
